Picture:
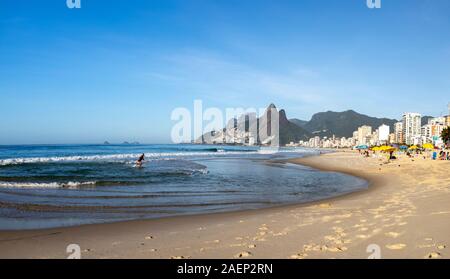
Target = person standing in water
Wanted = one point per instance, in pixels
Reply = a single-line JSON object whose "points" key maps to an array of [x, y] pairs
{"points": [[140, 160]]}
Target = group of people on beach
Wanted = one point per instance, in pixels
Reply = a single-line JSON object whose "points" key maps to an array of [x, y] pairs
{"points": [[444, 155]]}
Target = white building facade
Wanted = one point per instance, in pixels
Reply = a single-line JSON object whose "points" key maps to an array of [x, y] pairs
{"points": [[412, 127]]}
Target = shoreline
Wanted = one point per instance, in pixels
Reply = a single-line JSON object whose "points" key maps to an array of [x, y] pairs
{"points": [[296, 161], [316, 229]]}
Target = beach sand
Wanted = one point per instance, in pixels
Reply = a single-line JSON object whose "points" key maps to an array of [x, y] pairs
{"points": [[405, 212]]}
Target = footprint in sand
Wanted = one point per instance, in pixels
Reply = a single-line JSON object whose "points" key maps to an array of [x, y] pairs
{"points": [[212, 241], [376, 231], [336, 249], [244, 254], [299, 256], [433, 255], [279, 234], [338, 229], [330, 237], [396, 246], [363, 236], [392, 234], [325, 205], [313, 247]]}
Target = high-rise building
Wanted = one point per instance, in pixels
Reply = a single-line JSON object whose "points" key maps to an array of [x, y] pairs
{"points": [[383, 133], [398, 131], [363, 133], [411, 126], [392, 138], [431, 132], [316, 141]]}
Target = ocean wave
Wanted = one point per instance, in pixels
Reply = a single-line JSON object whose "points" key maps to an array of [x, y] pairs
{"points": [[116, 158], [69, 184]]}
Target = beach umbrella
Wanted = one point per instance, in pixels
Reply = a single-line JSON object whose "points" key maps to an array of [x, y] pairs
{"points": [[376, 148], [362, 147], [428, 146], [387, 148], [414, 147], [403, 147]]}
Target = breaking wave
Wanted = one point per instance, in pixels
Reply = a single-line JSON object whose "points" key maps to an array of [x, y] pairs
{"points": [[46, 185], [117, 158]]}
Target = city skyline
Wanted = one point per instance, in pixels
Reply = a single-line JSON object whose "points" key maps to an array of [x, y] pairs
{"points": [[115, 72]]}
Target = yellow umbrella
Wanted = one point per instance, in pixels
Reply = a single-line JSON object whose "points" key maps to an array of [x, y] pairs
{"points": [[385, 147], [428, 146], [376, 148], [413, 147]]}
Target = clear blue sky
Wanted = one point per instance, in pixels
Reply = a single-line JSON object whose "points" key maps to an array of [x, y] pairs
{"points": [[114, 70]]}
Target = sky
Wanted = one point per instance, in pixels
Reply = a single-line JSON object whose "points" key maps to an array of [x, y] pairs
{"points": [[115, 70]]}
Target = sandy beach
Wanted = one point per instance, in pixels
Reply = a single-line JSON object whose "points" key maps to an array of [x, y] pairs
{"points": [[405, 213]]}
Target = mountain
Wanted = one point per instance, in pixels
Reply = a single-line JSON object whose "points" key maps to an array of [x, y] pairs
{"points": [[291, 132], [342, 124], [425, 119], [298, 122], [288, 131]]}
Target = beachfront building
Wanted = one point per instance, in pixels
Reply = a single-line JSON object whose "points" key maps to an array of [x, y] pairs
{"points": [[316, 141], [364, 134], [412, 127], [383, 133], [398, 131], [392, 138], [432, 131]]}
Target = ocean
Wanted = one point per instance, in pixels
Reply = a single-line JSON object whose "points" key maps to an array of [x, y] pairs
{"points": [[44, 186]]}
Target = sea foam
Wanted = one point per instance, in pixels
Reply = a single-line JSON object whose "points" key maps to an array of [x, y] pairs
{"points": [[121, 158], [69, 184]]}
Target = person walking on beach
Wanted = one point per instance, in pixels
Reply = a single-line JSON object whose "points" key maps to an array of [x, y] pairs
{"points": [[140, 160]]}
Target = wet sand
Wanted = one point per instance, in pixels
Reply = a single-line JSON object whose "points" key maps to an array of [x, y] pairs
{"points": [[405, 213]]}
